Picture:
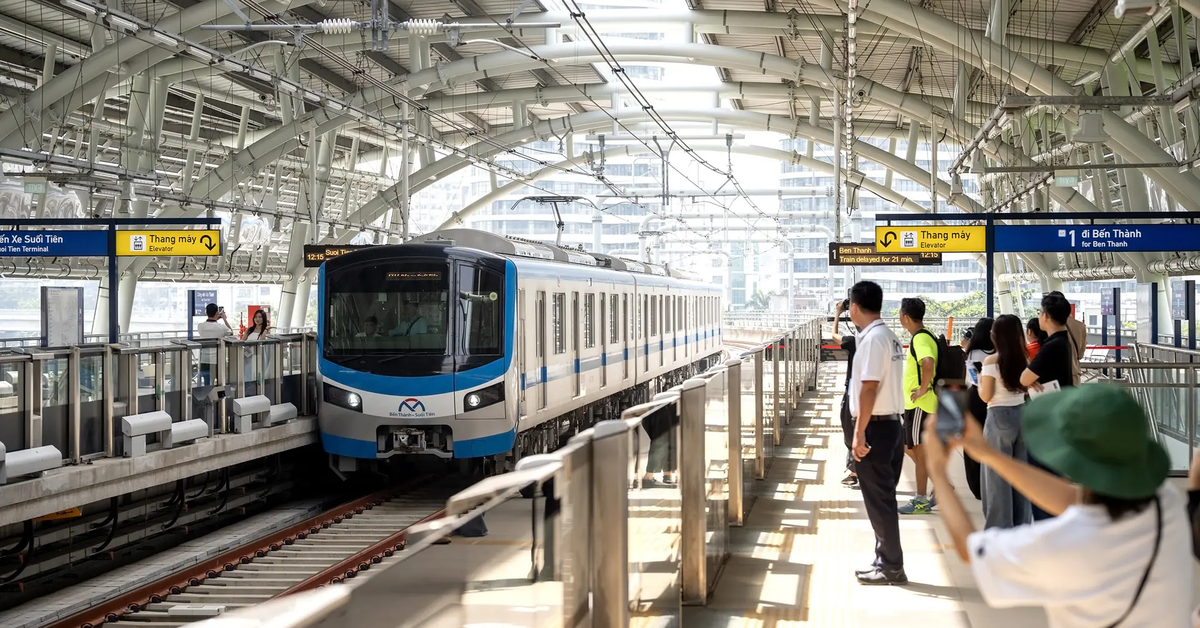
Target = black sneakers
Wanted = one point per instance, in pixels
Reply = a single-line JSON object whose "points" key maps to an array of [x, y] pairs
{"points": [[850, 481], [877, 576]]}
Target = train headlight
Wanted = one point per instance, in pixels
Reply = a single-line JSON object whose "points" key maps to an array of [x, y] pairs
{"points": [[343, 398], [483, 397]]}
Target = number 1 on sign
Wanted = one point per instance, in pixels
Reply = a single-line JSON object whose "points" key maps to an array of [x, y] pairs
{"points": [[1072, 237]]}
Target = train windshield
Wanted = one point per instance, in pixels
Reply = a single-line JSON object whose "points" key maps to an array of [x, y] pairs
{"points": [[388, 309]]}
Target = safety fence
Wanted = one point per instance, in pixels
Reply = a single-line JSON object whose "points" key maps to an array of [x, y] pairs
{"points": [[75, 404], [631, 521]]}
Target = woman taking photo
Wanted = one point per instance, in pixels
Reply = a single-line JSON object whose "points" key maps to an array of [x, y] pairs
{"points": [[1000, 387]]}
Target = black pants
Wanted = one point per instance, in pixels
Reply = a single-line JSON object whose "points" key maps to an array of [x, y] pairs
{"points": [[1038, 513], [848, 432], [974, 471], [878, 475]]}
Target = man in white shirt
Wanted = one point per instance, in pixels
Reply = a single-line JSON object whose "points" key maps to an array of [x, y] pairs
{"points": [[877, 403], [411, 322], [216, 326], [1112, 555]]}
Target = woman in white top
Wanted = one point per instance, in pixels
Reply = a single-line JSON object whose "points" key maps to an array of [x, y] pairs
{"points": [[978, 349], [1113, 552], [258, 330], [1000, 387]]}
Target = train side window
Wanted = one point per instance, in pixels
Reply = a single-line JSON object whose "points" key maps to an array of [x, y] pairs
{"points": [[641, 333], [614, 322], [540, 340], [559, 307], [589, 320]]}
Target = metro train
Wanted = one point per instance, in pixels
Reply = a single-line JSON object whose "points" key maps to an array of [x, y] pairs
{"points": [[462, 344]]}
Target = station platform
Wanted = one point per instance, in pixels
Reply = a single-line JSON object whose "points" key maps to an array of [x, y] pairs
{"points": [[72, 486], [793, 562]]}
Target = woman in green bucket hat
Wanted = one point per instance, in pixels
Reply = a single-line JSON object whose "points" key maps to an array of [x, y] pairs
{"points": [[1113, 556]]}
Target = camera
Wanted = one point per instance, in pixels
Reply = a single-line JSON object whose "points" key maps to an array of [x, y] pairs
{"points": [[968, 334], [845, 305]]}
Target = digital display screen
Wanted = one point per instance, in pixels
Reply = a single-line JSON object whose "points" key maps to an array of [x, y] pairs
{"points": [[414, 276]]}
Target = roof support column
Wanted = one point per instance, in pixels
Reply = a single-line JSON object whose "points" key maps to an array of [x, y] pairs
{"points": [[156, 110], [347, 184], [1185, 69], [418, 59], [814, 107], [295, 259], [189, 167], [138, 121]]}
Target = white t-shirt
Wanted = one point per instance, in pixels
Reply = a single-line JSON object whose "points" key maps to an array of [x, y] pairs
{"points": [[1084, 569], [878, 357], [976, 356], [1002, 396], [211, 329]]}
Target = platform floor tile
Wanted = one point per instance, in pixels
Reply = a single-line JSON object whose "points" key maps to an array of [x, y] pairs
{"points": [[793, 563]]}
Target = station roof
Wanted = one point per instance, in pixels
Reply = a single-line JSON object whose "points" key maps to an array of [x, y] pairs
{"points": [[102, 94]]}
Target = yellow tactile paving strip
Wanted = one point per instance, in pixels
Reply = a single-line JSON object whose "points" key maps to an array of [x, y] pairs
{"points": [[793, 562]]}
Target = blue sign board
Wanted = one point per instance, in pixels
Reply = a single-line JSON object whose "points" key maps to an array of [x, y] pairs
{"points": [[53, 243], [201, 299], [1096, 238]]}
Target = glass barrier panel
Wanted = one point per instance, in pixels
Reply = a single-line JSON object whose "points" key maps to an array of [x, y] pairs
{"points": [[655, 516], [204, 364], [1164, 397], [145, 383], [56, 404], [12, 404], [91, 404], [749, 417], [292, 385], [716, 473], [172, 390]]}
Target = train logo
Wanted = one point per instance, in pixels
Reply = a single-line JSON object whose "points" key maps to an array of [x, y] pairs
{"points": [[412, 408]]}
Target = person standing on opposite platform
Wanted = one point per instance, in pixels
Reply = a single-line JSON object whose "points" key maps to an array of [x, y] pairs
{"points": [[877, 401]]}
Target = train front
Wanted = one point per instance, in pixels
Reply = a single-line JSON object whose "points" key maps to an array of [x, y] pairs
{"points": [[416, 344]]}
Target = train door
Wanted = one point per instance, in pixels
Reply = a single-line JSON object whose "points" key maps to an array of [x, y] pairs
{"points": [[626, 323], [540, 348], [576, 332], [644, 332], [602, 329], [521, 350], [673, 327]]}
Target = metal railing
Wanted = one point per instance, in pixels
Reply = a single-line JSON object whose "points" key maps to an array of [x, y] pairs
{"points": [[633, 517], [73, 398], [140, 338]]}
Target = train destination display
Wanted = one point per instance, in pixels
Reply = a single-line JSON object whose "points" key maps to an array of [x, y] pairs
{"points": [[865, 254]]}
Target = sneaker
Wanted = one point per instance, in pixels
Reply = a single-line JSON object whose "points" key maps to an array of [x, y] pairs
{"points": [[850, 480], [866, 570], [918, 505], [878, 576], [932, 501]]}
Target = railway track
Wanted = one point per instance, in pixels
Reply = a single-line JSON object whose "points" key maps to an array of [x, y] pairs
{"points": [[325, 549]]}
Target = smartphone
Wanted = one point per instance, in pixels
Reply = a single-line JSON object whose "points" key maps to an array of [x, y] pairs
{"points": [[952, 409]]}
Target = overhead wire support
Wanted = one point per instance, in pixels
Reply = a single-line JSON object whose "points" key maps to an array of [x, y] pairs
{"points": [[593, 36]]}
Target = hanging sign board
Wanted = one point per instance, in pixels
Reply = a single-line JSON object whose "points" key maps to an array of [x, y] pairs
{"points": [[53, 243], [864, 254], [931, 239], [317, 254], [174, 243], [1147, 238], [62, 316]]}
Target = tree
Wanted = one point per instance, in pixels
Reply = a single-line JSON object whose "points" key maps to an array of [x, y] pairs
{"points": [[971, 307]]}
